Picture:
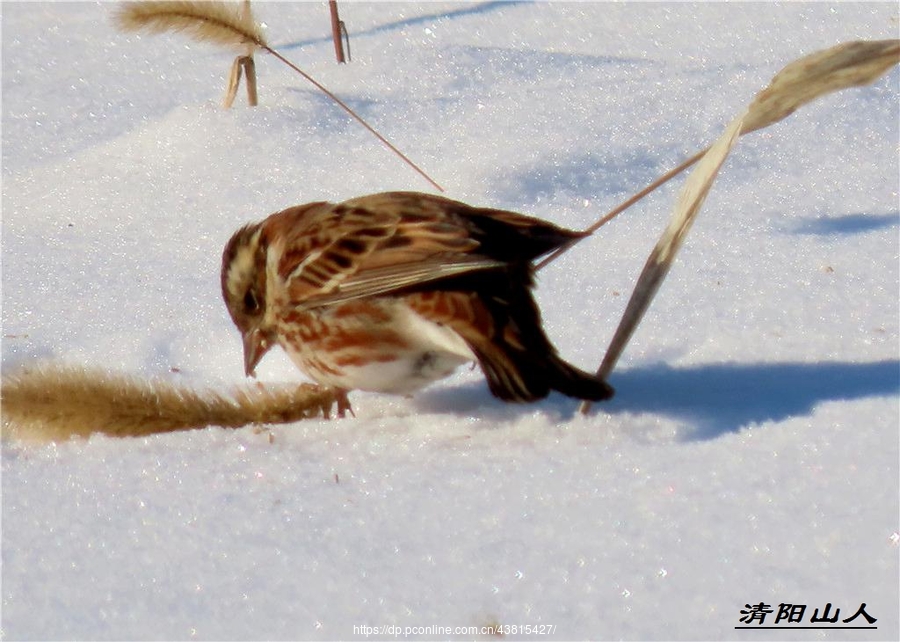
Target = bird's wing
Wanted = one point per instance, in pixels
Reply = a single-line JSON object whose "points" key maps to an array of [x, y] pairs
{"points": [[371, 246], [387, 279]]}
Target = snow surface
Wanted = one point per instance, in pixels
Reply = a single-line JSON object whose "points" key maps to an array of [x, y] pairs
{"points": [[751, 454]]}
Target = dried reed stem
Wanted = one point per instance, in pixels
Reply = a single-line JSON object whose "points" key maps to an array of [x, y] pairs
{"points": [[250, 72], [336, 31], [846, 65], [851, 64], [624, 205], [234, 81], [356, 116], [661, 258], [242, 66]]}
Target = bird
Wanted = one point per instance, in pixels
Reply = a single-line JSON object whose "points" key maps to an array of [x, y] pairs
{"points": [[393, 291]]}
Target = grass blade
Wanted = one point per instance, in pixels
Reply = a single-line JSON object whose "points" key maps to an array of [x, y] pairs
{"points": [[663, 255]]}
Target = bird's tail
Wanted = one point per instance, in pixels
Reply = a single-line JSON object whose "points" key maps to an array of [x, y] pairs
{"points": [[523, 375], [517, 358]]}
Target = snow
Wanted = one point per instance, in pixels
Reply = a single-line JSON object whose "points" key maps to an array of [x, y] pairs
{"points": [[751, 454]]}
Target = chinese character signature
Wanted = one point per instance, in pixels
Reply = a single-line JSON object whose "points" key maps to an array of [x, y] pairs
{"points": [[793, 614]]}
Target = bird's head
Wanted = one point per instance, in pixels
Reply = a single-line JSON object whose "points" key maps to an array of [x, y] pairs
{"points": [[244, 290]]}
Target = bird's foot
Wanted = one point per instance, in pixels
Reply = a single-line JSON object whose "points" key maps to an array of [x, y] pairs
{"points": [[343, 404]]}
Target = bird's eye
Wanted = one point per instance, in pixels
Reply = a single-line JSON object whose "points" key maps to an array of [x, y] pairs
{"points": [[251, 303]]}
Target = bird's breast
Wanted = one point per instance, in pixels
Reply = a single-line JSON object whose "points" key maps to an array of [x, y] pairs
{"points": [[379, 345]]}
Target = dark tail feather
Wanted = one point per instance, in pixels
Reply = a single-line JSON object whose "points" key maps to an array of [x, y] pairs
{"points": [[576, 383], [521, 376], [519, 361]]}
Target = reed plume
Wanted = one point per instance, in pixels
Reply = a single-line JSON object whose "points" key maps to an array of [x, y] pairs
{"points": [[55, 402], [226, 24]]}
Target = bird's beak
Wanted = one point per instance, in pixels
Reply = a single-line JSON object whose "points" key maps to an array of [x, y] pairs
{"points": [[256, 345]]}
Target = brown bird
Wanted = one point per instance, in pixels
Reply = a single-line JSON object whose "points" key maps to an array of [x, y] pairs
{"points": [[391, 292]]}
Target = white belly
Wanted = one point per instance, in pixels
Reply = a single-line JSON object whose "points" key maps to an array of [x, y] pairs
{"points": [[435, 353]]}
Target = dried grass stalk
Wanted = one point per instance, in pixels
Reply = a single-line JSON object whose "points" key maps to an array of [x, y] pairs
{"points": [[242, 66], [250, 72], [802, 81], [221, 23], [851, 64], [52, 403], [661, 258], [234, 81]]}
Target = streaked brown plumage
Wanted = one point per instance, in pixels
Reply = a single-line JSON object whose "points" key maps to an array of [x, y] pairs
{"points": [[393, 291]]}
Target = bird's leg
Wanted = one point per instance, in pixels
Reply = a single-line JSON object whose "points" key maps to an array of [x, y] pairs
{"points": [[343, 404]]}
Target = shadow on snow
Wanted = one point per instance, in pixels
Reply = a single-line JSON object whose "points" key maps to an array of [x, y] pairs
{"points": [[720, 398], [482, 7], [847, 224], [710, 399]]}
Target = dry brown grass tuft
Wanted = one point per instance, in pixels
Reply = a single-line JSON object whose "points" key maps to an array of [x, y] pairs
{"points": [[54, 402], [221, 23]]}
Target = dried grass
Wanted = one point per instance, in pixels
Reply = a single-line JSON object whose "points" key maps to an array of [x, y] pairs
{"points": [[851, 64], [847, 65], [221, 23], [230, 25], [54, 402]]}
